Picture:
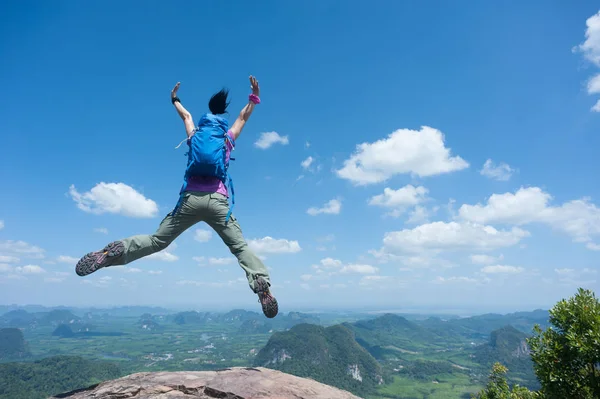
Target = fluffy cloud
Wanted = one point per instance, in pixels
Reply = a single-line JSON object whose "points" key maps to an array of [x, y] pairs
{"points": [[591, 46], [21, 248], [591, 52], [331, 207], [500, 172], [420, 153], [594, 85], [216, 284], [438, 236], [8, 259], [454, 279], [592, 246], [116, 198], [578, 218], [214, 261], [307, 162], [164, 256], [496, 269], [328, 267], [268, 139], [401, 199], [202, 235], [67, 259], [270, 245], [481, 259], [30, 269], [101, 230], [408, 195]]}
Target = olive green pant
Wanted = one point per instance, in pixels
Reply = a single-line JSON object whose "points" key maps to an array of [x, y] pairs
{"points": [[195, 207]]}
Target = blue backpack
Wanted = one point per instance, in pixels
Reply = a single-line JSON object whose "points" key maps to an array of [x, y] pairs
{"points": [[207, 153]]}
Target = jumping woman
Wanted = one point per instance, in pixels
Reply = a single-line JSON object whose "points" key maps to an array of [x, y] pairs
{"points": [[202, 198]]}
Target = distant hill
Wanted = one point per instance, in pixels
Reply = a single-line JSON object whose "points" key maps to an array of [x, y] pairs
{"points": [[22, 319], [147, 323], [12, 344], [256, 327], [479, 327], [329, 355], [508, 346], [392, 333], [17, 318], [53, 375]]}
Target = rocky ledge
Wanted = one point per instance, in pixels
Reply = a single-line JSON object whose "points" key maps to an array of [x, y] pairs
{"points": [[232, 383]]}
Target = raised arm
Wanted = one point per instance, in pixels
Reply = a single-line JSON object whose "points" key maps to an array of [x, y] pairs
{"points": [[183, 113], [253, 99]]}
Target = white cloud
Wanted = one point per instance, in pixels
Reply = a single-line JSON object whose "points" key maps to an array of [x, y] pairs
{"points": [[30, 269], [496, 269], [328, 267], [270, 245], [67, 259], [593, 86], [164, 256], [485, 259], [501, 172], [305, 286], [591, 52], [591, 46], [202, 235], [1, 224], [360, 269], [439, 236], [331, 263], [578, 218], [21, 248], [421, 214], [221, 261], [406, 196], [8, 259], [307, 162], [373, 280], [267, 139], [101, 230], [593, 246], [216, 284], [460, 279], [156, 272], [331, 207], [116, 198], [420, 153]]}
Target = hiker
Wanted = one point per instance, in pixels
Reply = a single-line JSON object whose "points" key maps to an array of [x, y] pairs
{"points": [[203, 197]]}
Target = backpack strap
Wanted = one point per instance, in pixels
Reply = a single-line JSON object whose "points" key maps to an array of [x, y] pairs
{"points": [[232, 198]]}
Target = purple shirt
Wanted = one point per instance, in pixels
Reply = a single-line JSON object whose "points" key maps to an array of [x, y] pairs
{"points": [[209, 183]]}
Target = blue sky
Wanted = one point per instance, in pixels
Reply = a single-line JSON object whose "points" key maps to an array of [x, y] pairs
{"points": [[383, 118]]}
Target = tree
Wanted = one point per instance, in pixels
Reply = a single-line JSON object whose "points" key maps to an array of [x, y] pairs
{"points": [[566, 355], [497, 387]]}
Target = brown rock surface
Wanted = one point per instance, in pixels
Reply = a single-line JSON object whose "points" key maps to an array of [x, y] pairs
{"points": [[233, 383]]}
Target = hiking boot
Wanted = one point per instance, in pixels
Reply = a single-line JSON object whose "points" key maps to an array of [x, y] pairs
{"points": [[267, 301], [97, 260]]}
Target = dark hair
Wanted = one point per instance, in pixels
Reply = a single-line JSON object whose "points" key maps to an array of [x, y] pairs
{"points": [[218, 102]]}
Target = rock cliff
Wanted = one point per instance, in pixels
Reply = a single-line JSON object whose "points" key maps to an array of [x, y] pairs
{"points": [[232, 383]]}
